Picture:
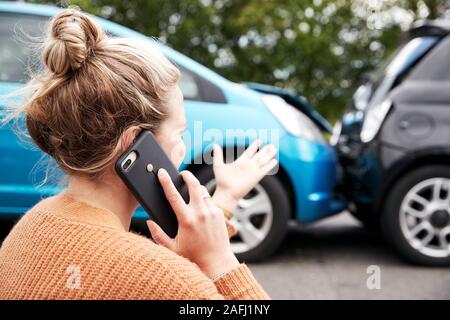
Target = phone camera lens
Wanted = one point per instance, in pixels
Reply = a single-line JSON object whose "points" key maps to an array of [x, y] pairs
{"points": [[126, 164]]}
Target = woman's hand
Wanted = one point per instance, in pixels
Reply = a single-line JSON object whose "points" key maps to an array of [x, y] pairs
{"points": [[202, 235], [234, 180]]}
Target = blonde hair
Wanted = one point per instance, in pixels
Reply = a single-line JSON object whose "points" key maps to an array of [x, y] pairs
{"points": [[91, 88]]}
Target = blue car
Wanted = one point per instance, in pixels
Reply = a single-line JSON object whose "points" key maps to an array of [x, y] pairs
{"points": [[231, 114]]}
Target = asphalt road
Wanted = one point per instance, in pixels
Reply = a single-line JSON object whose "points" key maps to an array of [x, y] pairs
{"points": [[329, 260]]}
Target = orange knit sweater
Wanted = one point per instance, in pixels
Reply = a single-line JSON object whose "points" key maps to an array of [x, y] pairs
{"points": [[67, 249]]}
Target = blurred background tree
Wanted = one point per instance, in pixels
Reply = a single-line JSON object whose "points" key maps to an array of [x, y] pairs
{"points": [[320, 48]]}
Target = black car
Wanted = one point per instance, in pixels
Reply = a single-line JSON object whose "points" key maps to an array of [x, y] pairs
{"points": [[394, 147]]}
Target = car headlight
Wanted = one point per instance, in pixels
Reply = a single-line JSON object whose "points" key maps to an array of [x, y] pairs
{"points": [[374, 119], [293, 120]]}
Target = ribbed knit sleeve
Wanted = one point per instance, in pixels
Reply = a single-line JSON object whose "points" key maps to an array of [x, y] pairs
{"points": [[181, 279], [239, 283], [63, 249]]}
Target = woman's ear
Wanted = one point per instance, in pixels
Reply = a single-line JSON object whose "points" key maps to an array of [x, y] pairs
{"points": [[128, 136]]}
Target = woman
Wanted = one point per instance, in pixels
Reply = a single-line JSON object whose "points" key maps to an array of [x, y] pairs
{"points": [[92, 98]]}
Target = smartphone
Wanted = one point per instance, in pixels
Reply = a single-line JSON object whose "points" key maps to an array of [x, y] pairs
{"points": [[138, 168]]}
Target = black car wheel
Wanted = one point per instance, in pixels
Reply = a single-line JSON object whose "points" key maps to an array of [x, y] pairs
{"points": [[261, 218], [416, 217]]}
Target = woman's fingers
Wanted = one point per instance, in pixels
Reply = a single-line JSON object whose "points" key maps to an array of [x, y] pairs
{"points": [[268, 166], [210, 205], [205, 193], [173, 196], [159, 236], [218, 156], [194, 188], [251, 150], [207, 200], [265, 154]]}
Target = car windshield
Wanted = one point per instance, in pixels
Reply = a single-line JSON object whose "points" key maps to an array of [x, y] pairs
{"points": [[384, 78]]}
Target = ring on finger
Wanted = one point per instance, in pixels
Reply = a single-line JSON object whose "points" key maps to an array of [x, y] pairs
{"points": [[205, 193]]}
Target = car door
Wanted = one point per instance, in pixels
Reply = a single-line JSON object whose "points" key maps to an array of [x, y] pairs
{"points": [[22, 168]]}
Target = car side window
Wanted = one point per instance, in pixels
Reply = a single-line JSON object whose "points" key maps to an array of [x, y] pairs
{"points": [[188, 85], [15, 55], [436, 65], [195, 87]]}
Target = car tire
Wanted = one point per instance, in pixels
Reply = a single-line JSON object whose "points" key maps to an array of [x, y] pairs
{"points": [[280, 205], [399, 222]]}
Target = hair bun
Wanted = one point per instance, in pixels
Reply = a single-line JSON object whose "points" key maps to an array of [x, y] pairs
{"points": [[72, 37]]}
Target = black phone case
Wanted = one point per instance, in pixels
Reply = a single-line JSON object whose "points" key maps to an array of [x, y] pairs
{"points": [[145, 185]]}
